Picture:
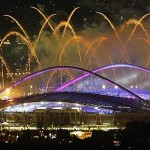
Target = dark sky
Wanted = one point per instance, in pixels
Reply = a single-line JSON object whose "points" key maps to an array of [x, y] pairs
{"points": [[20, 9], [117, 10]]}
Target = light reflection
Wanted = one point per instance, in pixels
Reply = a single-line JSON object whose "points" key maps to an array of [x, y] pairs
{"points": [[31, 107]]}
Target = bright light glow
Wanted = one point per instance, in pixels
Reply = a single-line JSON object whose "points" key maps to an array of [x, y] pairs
{"points": [[41, 107], [76, 108], [57, 108], [42, 103], [103, 87], [77, 104], [7, 91], [116, 87]]}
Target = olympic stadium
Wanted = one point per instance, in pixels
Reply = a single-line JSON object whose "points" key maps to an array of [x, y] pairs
{"points": [[66, 95]]}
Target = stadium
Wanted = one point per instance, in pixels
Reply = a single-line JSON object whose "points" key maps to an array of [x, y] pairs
{"points": [[80, 94], [71, 96]]}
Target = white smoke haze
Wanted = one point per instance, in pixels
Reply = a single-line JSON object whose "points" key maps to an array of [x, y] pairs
{"points": [[99, 52]]}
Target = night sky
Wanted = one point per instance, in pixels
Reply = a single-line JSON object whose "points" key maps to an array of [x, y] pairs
{"points": [[117, 10], [84, 21], [20, 9]]}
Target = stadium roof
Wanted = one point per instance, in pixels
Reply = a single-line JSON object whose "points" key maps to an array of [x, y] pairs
{"points": [[98, 97], [88, 99]]}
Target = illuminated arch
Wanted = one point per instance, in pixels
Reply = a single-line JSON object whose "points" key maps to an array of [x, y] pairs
{"points": [[138, 101], [102, 69], [73, 68]]}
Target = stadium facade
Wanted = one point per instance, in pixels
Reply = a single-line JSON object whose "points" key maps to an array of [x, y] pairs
{"points": [[65, 95]]}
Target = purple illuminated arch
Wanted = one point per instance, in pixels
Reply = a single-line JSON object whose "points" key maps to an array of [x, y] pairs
{"points": [[102, 69], [73, 81]]}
